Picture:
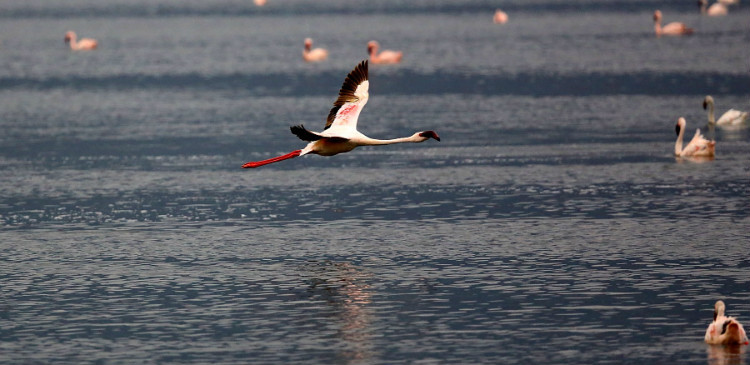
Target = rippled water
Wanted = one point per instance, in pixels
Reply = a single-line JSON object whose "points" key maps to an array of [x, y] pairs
{"points": [[550, 225]]}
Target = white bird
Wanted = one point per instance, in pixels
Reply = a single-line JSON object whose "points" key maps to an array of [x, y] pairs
{"points": [[698, 146], [310, 54], [725, 330], [84, 44], [340, 133], [731, 118], [716, 9]]}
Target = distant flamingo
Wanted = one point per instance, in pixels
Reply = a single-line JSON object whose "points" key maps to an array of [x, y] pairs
{"points": [[500, 17], [731, 118], [725, 330], [340, 133], [729, 2], [716, 9], [698, 146], [674, 28], [386, 56], [84, 44], [313, 55], [259, 2]]}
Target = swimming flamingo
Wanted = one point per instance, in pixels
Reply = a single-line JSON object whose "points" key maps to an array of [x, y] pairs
{"points": [[313, 55], [673, 28], [729, 2], [698, 146], [260, 2], [500, 17], [387, 56], [725, 330], [340, 133], [85, 44], [716, 9], [732, 117]]}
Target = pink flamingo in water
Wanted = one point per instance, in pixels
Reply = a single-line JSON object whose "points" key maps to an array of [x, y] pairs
{"points": [[84, 44], [725, 330], [313, 55], [386, 56], [674, 28]]}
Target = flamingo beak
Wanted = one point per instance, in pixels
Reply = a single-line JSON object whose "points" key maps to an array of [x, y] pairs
{"points": [[677, 131], [430, 134], [705, 105]]}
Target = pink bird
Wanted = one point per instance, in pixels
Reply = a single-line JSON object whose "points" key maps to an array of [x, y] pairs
{"points": [[340, 133], [674, 28], [725, 330], [716, 9], [84, 44], [386, 56], [313, 55], [500, 17], [698, 146]]}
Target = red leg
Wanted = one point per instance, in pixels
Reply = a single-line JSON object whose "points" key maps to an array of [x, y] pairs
{"points": [[289, 155]]}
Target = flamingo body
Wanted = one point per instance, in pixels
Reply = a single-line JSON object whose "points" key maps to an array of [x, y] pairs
{"points": [[698, 146], [725, 330], [310, 54], [716, 9], [340, 133], [385, 56], [500, 17], [674, 28], [731, 118], [83, 44]]}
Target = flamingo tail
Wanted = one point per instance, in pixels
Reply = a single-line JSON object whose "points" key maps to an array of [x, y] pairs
{"points": [[255, 164]]}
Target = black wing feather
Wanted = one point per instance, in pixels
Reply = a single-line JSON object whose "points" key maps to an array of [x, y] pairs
{"points": [[346, 94], [303, 134]]}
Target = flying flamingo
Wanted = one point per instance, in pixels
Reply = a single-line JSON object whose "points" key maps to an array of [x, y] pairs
{"points": [[674, 28], [386, 56], [84, 44], [732, 117], [313, 55], [340, 133], [725, 330], [698, 146], [500, 17], [716, 9]]}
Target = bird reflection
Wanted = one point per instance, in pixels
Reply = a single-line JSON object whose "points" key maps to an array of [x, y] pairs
{"points": [[695, 159], [345, 288], [725, 355]]}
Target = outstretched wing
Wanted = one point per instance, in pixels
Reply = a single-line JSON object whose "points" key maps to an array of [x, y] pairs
{"points": [[352, 98], [310, 136]]}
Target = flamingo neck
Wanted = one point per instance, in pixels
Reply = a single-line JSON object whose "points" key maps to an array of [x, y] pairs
{"points": [[711, 119], [255, 164], [657, 27], [380, 142], [678, 143]]}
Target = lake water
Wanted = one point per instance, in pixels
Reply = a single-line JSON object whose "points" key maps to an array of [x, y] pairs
{"points": [[551, 224]]}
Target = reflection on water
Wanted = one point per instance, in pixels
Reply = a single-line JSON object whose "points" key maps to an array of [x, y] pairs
{"points": [[345, 288], [725, 355]]}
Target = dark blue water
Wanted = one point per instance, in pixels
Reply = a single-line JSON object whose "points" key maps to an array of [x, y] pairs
{"points": [[551, 224]]}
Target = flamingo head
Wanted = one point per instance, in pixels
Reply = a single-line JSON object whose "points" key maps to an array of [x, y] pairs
{"points": [[708, 100], [308, 43], [680, 125], [657, 15], [427, 135], [372, 46], [68, 36], [719, 309], [702, 3]]}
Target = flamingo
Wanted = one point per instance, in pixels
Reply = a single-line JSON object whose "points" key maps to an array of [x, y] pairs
{"points": [[729, 2], [340, 133], [500, 17], [84, 44], [698, 146], [259, 2], [725, 330], [313, 55], [731, 118], [386, 56], [674, 28], [716, 9]]}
